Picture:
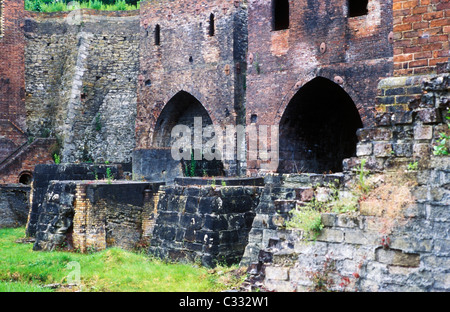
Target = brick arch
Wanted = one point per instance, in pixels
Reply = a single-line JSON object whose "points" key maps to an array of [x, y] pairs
{"points": [[162, 104], [318, 128], [356, 98], [180, 108]]}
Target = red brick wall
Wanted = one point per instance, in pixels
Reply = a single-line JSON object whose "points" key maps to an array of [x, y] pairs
{"points": [[357, 49], [26, 159], [189, 59], [12, 65], [422, 29]]}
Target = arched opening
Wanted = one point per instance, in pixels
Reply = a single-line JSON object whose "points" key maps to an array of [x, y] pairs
{"points": [[182, 109], [318, 129], [280, 14], [25, 178]]}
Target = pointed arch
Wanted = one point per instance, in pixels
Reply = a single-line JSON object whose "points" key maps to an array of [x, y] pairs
{"points": [[318, 129], [181, 109]]}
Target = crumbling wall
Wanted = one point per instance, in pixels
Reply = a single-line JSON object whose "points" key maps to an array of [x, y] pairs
{"points": [[208, 224], [403, 249], [88, 216], [45, 174], [81, 75], [14, 205]]}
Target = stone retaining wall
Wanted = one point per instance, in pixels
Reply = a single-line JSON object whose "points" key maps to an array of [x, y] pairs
{"points": [[207, 224], [14, 205], [94, 215]]}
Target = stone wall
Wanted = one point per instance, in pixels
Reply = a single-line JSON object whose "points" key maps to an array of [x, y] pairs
{"points": [[208, 224], [81, 75], [88, 216], [404, 249], [45, 174], [14, 205], [353, 254]]}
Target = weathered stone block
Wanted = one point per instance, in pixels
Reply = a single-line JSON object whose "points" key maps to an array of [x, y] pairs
{"points": [[382, 149], [277, 273], [365, 149], [328, 219], [331, 235], [423, 132], [397, 257]]}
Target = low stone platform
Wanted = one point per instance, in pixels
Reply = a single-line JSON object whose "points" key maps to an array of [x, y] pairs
{"points": [[224, 181]]}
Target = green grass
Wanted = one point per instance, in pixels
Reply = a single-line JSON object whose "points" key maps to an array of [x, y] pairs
{"points": [[54, 6], [111, 270]]}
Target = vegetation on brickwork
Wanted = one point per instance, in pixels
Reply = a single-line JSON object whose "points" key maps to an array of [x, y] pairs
{"points": [[388, 199], [98, 123], [111, 270], [442, 148], [413, 165], [308, 218], [57, 158], [67, 5], [385, 196]]}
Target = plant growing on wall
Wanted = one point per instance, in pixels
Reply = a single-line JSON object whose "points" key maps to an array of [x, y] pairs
{"points": [[98, 123], [57, 158], [442, 149], [308, 219]]}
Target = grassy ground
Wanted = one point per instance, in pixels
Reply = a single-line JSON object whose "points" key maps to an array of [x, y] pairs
{"points": [[111, 270], [58, 6]]}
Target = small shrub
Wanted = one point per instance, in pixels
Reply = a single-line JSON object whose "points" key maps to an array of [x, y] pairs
{"points": [[57, 159], [442, 147], [109, 175], [413, 166], [308, 219]]}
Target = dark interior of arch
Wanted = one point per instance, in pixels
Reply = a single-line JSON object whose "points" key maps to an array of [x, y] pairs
{"points": [[25, 178], [181, 110], [318, 129]]}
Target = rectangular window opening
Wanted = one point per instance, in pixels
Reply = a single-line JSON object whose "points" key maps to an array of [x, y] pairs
{"points": [[211, 25], [158, 35], [280, 14], [358, 8]]}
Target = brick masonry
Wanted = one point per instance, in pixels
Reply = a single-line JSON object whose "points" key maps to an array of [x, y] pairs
{"points": [[208, 224], [421, 36], [92, 216], [12, 66], [321, 41], [188, 58]]}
